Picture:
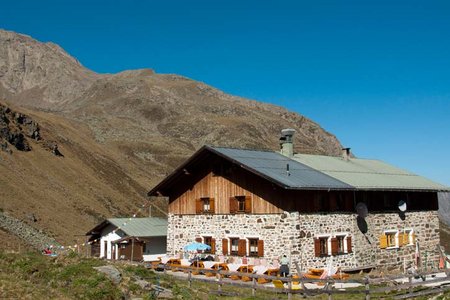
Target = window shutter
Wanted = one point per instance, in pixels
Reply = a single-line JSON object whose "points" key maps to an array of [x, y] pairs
{"points": [[213, 246], [212, 207], [198, 240], [248, 204], [316, 247], [334, 246], [242, 248], [225, 246], [198, 206], [383, 241], [404, 239], [260, 248], [233, 205], [349, 244]]}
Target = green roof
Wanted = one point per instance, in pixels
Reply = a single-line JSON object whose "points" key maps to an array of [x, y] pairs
{"points": [[141, 227], [368, 173]]}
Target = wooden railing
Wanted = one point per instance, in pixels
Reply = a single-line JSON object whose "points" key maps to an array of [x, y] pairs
{"points": [[368, 285]]}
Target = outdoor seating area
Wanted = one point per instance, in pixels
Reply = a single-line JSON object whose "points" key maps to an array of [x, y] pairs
{"points": [[196, 262], [209, 268]]}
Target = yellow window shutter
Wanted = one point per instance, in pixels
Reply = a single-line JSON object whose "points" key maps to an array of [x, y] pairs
{"points": [[383, 241], [401, 239]]}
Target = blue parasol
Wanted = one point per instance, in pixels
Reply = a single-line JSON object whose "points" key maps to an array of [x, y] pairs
{"points": [[195, 246]]}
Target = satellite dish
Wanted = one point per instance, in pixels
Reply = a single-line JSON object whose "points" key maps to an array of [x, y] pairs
{"points": [[361, 210], [402, 205]]}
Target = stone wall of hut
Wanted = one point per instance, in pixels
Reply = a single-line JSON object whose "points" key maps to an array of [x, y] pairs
{"points": [[293, 234]]}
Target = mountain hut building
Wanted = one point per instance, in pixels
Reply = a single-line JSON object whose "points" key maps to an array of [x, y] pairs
{"points": [[136, 239], [261, 205]]}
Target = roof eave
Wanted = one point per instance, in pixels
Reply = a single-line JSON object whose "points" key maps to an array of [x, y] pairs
{"points": [[155, 190]]}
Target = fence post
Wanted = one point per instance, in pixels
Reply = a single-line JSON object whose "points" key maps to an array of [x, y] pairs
{"points": [[254, 286], [219, 288], [328, 285], [367, 288], [290, 289], [410, 288], [190, 278]]}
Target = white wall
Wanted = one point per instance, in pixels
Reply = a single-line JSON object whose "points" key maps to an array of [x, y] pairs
{"points": [[109, 236]]}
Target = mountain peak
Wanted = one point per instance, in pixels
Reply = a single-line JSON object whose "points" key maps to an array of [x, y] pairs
{"points": [[39, 74]]}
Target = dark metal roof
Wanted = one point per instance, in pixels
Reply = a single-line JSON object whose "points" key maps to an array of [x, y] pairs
{"points": [[281, 169], [266, 164]]}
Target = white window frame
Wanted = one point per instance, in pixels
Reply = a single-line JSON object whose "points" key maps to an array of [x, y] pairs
{"points": [[345, 235], [397, 244], [410, 232], [229, 243], [206, 204]]}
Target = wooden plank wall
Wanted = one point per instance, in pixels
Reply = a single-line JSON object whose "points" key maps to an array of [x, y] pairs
{"points": [[221, 189]]}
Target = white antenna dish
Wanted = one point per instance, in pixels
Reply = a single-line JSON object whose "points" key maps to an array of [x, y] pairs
{"points": [[402, 205], [361, 210]]}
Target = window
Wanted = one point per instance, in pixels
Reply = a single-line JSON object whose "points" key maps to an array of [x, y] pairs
{"points": [[340, 244], [234, 246], [389, 239], [408, 237], [322, 246], [253, 247], [240, 203], [204, 205], [208, 241]]}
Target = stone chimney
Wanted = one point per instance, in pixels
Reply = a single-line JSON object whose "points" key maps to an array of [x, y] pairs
{"points": [[346, 154], [286, 142]]}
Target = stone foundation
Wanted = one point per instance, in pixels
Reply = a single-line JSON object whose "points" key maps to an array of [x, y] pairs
{"points": [[293, 234]]}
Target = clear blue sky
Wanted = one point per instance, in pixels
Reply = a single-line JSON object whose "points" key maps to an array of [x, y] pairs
{"points": [[374, 73]]}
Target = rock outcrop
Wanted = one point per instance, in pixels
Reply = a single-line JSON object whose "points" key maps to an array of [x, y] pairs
{"points": [[17, 128]]}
